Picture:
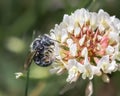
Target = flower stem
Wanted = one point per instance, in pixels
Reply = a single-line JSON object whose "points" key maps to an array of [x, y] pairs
{"points": [[28, 72], [27, 82]]}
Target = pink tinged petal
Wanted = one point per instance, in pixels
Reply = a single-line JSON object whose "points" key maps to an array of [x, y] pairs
{"points": [[104, 42], [98, 47], [88, 43], [85, 29], [99, 37]]}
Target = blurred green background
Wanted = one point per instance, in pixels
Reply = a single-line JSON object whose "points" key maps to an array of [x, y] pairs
{"points": [[18, 20]]}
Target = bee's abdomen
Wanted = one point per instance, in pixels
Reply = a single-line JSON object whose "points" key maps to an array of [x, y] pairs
{"points": [[42, 60]]}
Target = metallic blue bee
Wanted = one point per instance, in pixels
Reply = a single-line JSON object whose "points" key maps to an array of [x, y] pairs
{"points": [[41, 52]]}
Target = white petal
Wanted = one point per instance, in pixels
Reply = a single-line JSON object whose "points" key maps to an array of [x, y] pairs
{"points": [[88, 71], [73, 74], [73, 49], [114, 37], [64, 35], [70, 29], [77, 31], [96, 70], [73, 62], [93, 20], [57, 68], [80, 67], [84, 52], [81, 41], [69, 42], [103, 60], [109, 50], [105, 64], [66, 18], [113, 67]]}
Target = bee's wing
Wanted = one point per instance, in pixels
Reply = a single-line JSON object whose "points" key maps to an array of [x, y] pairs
{"points": [[29, 59]]}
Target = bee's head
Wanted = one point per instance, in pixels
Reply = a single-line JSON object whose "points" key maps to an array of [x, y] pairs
{"points": [[41, 42]]}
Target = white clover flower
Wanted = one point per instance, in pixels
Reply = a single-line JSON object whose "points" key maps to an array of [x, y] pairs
{"points": [[87, 44]]}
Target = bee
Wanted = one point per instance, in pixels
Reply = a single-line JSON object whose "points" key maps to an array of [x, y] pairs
{"points": [[41, 52]]}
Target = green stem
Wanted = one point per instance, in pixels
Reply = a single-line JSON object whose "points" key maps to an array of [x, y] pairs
{"points": [[28, 71], [27, 82]]}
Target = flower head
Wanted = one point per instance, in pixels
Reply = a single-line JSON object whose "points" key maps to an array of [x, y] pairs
{"points": [[87, 44]]}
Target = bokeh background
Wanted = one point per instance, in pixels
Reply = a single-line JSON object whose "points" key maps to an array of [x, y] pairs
{"points": [[18, 20]]}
